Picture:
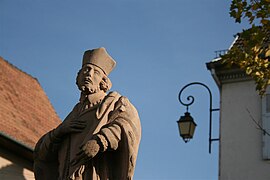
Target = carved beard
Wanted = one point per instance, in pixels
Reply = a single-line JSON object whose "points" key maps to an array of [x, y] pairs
{"points": [[89, 89]]}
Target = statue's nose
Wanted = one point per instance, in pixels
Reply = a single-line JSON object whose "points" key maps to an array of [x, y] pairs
{"points": [[90, 72]]}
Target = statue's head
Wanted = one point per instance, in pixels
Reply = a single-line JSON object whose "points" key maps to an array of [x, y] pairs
{"points": [[96, 66]]}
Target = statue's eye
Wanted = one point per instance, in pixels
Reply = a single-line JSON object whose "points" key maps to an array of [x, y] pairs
{"points": [[86, 70], [97, 72]]}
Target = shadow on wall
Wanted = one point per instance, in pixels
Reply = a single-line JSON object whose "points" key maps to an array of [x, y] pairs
{"points": [[12, 172]]}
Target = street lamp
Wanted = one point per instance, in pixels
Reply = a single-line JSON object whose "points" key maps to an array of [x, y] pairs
{"points": [[186, 123], [186, 127]]}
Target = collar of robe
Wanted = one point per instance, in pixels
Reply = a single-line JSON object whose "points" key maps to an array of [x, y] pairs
{"points": [[91, 101]]}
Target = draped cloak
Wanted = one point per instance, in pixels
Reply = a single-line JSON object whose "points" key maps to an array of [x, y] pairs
{"points": [[114, 123]]}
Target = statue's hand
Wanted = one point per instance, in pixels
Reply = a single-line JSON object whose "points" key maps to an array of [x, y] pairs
{"points": [[91, 148], [69, 126], [87, 152]]}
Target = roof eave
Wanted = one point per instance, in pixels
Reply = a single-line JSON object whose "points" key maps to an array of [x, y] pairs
{"points": [[222, 73], [16, 147]]}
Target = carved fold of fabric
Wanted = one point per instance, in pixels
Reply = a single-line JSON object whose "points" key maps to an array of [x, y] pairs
{"points": [[112, 135], [53, 138], [102, 141], [46, 149]]}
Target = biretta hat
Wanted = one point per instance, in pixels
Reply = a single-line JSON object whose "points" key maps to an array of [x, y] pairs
{"points": [[100, 58]]}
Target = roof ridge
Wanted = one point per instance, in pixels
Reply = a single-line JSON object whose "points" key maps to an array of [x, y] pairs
{"points": [[34, 79], [18, 68]]}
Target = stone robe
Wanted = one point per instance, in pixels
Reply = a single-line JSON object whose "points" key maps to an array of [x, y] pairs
{"points": [[114, 123]]}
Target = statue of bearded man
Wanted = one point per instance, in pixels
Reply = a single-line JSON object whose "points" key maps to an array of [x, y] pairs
{"points": [[99, 139]]}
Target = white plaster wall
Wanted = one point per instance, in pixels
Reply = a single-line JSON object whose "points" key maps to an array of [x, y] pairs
{"points": [[241, 141], [12, 167]]}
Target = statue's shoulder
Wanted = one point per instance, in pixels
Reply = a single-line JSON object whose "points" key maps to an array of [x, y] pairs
{"points": [[120, 100], [111, 96], [123, 108], [117, 97], [107, 104]]}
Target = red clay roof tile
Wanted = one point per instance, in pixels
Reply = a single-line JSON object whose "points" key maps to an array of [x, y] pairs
{"points": [[25, 110]]}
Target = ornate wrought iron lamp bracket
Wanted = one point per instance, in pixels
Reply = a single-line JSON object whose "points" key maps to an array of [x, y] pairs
{"points": [[191, 100]]}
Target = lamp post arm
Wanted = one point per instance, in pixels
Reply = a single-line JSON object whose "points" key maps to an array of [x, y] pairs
{"points": [[191, 101]]}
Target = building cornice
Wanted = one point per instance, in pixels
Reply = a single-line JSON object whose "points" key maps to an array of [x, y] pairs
{"points": [[222, 73]]}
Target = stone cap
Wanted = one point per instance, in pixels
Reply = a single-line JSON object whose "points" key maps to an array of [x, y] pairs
{"points": [[100, 58]]}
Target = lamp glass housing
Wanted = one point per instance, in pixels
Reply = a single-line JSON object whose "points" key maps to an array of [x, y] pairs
{"points": [[186, 127]]}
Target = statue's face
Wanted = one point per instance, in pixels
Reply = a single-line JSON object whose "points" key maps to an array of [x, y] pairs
{"points": [[90, 78]]}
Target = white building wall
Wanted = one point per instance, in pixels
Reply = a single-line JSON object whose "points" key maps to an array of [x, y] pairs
{"points": [[13, 167], [240, 139]]}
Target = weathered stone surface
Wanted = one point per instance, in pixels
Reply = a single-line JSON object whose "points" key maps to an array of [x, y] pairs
{"points": [[100, 137]]}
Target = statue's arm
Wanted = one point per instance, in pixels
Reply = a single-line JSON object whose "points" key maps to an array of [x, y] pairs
{"points": [[47, 147], [110, 136], [45, 159], [123, 121]]}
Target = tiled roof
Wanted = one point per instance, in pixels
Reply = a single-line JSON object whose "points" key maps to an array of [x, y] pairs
{"points": [[25, 110], [238, 42]]}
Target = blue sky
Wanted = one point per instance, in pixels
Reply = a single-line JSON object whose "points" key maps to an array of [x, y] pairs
{"points": [[159, 46]]}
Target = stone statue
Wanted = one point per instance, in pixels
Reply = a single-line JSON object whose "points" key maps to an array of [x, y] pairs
{"points": [[99, 139]]}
